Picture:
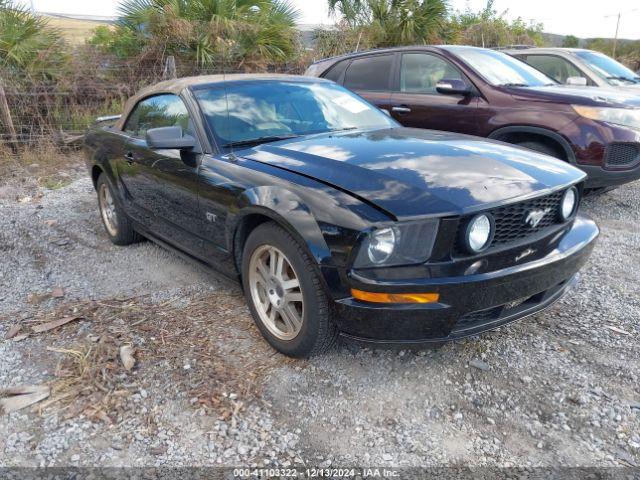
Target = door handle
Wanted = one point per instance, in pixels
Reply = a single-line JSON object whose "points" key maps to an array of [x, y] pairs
{"points": [[129, 157], [401, 110]]}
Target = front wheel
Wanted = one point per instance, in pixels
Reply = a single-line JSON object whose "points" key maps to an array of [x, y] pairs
{"points": [[284, 293], [541, 148]]}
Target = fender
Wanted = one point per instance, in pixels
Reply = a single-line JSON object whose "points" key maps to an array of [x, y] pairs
{"points": [[496, 134], [286, 208]]}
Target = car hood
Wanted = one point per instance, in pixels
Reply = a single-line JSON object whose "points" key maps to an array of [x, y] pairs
{"points": [[411, 172], [569, 94]]}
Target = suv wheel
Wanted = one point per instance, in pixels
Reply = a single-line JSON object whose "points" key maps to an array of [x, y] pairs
{"points": [[284, 293], [115, 221], [541, 148]]}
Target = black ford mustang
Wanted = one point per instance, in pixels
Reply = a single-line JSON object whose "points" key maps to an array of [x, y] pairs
{"points": [[336, 219]]}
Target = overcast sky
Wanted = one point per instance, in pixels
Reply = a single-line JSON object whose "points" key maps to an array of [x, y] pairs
{"points": [[583, 18]]}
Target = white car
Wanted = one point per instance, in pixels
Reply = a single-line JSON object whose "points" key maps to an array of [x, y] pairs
{"points": [[576, 66]]}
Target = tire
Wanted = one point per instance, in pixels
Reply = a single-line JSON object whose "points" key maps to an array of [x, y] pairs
{"points": [[541, 148], [309, 330], [116, 223]]}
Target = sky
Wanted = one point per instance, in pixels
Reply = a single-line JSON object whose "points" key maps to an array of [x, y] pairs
{"points": [[566, 17]]}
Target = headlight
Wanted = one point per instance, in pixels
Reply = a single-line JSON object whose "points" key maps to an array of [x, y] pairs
{"points": [[620, 116], [381, 245], [400, 244], [569, 202], [479, 233]]}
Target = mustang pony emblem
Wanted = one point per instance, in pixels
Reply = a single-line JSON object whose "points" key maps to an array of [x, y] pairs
{"points": [[534, 217]]}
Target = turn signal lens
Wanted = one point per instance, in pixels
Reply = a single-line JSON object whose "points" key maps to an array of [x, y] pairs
{"points": [[395, 297]]}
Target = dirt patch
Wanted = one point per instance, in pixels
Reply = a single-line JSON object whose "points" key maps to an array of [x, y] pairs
{"points": [[205, 346]]}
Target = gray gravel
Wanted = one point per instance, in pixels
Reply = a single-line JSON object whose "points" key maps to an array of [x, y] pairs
{"points": [[560, 388]]}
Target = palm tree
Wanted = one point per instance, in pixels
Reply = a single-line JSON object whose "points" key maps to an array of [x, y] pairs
{"points": [[244, 30], [28, 46], [395, 22]]}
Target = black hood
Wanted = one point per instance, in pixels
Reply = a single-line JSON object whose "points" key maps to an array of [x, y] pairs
{"points": [[411, 172]]}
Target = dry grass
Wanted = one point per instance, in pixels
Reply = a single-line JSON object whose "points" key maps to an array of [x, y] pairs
{"points": [[74, 31], [208, 349], [43, 165]]}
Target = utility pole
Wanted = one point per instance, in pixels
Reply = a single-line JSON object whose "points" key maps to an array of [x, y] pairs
{"points": [[615, 39]]}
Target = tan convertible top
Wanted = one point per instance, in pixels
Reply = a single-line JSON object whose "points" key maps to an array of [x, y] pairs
{"points": [[177, 85]]}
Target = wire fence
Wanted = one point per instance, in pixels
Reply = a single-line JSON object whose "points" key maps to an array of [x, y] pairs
{"points": [[58, 105]]}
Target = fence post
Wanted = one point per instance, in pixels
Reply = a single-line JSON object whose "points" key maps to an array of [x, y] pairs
{"points": [[5, 115], [169, 68]]}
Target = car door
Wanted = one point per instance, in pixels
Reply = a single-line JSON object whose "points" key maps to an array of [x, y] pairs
{"points": [[161, 186], [416, 102], [370, 77]]}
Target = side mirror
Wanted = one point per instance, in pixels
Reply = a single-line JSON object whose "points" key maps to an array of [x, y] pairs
{"points": [[576, 81], [453, 86], [169, 138]]}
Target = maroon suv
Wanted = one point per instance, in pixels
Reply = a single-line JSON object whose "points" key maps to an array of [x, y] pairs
{"points": [[490, 94]]}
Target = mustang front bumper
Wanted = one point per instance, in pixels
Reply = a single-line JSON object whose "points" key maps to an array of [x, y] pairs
{"points": [[468, 304]]}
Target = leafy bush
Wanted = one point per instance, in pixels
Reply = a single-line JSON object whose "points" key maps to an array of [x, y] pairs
{"points": [[488, 28], [203, 31], [28, 46], [384, 23], [571, 41]]}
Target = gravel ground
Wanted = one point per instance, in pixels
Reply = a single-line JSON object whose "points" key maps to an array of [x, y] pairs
{"points": [[559, 388]]}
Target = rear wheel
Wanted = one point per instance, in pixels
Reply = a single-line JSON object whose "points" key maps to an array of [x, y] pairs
{"points": [[115, 221], [284, 293]]}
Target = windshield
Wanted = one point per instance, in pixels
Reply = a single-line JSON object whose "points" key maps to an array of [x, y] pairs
{"points": [[498, 68], [261, 111], [606, 67]]}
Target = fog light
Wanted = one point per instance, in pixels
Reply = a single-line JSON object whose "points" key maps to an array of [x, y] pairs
{"points": [[569, 202], [479, 233], [395, 297]]}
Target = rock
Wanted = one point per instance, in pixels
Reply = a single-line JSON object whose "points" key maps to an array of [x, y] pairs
{"points": [[479, 364]]}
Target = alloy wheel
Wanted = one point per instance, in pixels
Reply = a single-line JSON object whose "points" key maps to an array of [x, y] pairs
{"points": [[275, 291], [108, 210]]}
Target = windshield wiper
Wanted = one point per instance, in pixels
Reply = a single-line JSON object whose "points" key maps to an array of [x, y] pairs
{"points": [[514, 85], [257, 141], [624, 79]]}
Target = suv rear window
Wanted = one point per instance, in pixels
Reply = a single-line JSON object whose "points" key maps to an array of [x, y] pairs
{"points": [[555, 67], [370, 73], [335, 72]]}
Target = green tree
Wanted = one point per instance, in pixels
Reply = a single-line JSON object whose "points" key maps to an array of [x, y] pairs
{"points": [[571, 41], [203, 30], [28, 46], [489, 28], [394, 22]]}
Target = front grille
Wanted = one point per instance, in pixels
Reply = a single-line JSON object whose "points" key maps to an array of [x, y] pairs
{"points": [[510, 221], [622, 154]]}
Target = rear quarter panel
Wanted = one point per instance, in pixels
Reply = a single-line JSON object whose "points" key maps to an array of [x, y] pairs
{"points": [[103, 146]]}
